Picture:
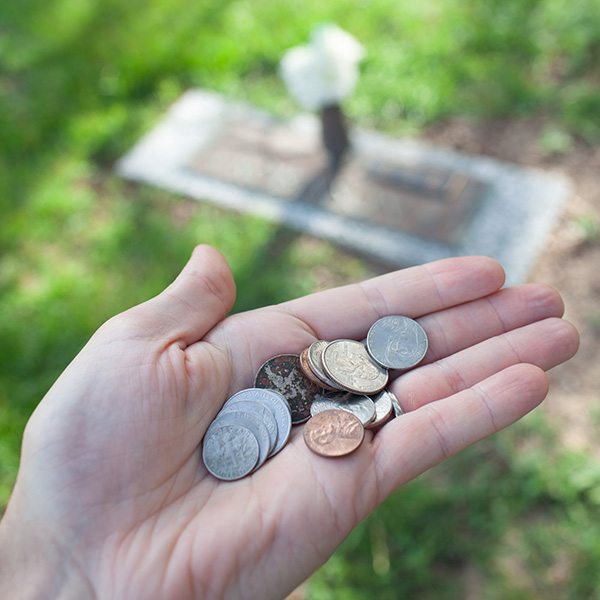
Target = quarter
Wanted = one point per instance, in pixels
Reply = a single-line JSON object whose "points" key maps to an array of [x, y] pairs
{"points": [[348, 364], [397, 342]]}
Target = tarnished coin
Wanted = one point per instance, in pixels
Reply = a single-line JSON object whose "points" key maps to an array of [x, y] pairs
{"points": [[334, 433], [383, 408], [278, 406], [249, 421], [315, 361], [230, 451], [360, 406], [397, 342], [283, 374], [261, 411], [349, 364]]}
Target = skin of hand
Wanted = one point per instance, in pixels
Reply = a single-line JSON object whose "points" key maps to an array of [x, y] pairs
{"points": [[112, 499]]}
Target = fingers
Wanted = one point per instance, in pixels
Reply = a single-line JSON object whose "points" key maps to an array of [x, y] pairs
{"points": [[411, 444], [196, 301], [349, 311], [462, 326], [544, 344]]}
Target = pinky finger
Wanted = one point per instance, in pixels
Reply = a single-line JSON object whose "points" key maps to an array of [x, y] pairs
{"points": [[418, 440]]}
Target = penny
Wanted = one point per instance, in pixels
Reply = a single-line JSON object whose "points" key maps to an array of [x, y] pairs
{"points": [[334, 433], [278, 406], [283, 374], [315, 361], [249, 421], [307, 369], [397, 342], [384, 408], [230, 451], [348, 364], [359, 405]]}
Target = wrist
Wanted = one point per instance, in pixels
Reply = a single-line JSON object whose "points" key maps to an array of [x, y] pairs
{"points": [[33, 566]]}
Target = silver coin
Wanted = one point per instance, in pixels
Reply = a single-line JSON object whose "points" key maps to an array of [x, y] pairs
{"points": [[350, 365], [277, 404], [254, 424], [395, 404], [360, 406], [384, 408], [261, 411], [315, 360], [230, 451], [397, 342]]}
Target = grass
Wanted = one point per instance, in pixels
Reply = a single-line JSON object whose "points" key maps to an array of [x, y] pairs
{"points": [[81, 80]]}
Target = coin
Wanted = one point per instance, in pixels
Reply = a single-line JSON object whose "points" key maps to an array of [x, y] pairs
{"points": [[230, 451], [359, 405], [315, 361], [395, 404], [278, 406], [307, 370], [383, 408], [397, 342], [348, 364], [254, 424], [283, 374], [258, 409], [334, 433]]}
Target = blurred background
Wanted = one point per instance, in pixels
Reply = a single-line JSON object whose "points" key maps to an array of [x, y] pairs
{"points": [[515, 517]]}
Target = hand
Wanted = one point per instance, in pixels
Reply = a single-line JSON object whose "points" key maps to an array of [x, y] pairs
{"points": [[113, 500]]}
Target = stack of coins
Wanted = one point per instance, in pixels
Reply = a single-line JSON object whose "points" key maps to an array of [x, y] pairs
{"points": [[339, 387], [253, 425]]}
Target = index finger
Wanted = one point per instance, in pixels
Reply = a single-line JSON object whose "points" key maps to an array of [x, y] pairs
{"points": [[350, 310]]}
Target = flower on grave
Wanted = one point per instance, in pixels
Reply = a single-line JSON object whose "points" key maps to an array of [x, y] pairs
{"points": [[323, 72]]}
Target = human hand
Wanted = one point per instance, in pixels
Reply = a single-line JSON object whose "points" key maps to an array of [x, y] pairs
{"points": [[113, 501]]}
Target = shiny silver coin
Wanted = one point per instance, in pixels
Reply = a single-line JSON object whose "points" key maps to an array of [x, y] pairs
{"points": [[360, 406], [277, 404], [384, 408], [261, 411], [254, 424], [315, 360], [395, 404], [230, 451], [348, 363], [397, 342]]}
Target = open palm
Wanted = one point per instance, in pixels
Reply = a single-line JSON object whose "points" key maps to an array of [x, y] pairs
{"points": [[112, 493]]}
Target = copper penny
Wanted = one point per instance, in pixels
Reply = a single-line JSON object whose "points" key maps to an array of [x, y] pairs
{"points": [[307, 369], [334, 433], [283, 373]]}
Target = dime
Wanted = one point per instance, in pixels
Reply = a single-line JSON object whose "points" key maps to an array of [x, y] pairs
{"points": [[261, 411], [349, 364], [359, 405], [384, 408], [397, 342], [315, 361], [283, 374], [249, 421], [395, 404], [278, 406], [334, 433], [230, 451]]}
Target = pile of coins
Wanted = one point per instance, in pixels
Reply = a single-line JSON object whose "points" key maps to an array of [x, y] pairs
{"points": [[339, 387]]}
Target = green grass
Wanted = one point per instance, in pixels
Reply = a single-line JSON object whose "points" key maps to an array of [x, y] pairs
{"points": [[81, 80]]}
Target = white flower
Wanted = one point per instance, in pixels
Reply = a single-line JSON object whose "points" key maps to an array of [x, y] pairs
{"points": [[325, 71]]}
